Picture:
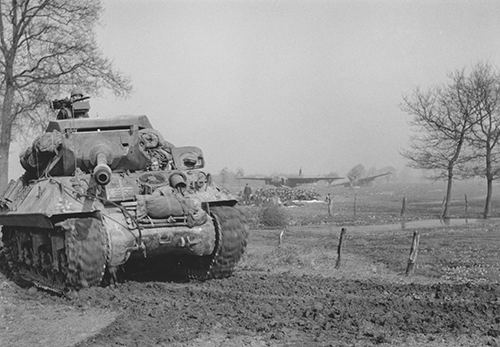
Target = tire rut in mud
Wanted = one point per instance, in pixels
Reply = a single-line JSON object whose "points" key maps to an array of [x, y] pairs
{"points": [[290, 309]]}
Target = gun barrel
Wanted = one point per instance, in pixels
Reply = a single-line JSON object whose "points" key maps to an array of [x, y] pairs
{"points": [[102, 171], [81, 99]]}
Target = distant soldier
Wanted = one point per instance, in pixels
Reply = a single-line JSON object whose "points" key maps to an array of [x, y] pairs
{"points": [[329, 201], [247, 191]]}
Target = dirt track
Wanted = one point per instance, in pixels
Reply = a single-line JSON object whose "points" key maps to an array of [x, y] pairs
{"points": [[254, 308]]}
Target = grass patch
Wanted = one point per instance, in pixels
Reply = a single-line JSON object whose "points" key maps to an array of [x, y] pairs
{"points": [[460, 254]]}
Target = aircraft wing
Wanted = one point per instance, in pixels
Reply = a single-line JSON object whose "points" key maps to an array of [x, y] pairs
{"points": [[291, 182], [255, 178], [360, 181], [345, 183], [294, 181], [366, 180]]}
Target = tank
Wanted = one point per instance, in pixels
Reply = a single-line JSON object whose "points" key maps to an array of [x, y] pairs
{"points": [[101, 194]]}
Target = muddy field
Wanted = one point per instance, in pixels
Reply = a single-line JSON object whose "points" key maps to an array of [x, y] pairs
{"points": [[290, 293]]}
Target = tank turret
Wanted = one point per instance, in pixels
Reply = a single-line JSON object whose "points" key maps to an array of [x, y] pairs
{"points": [[85, 144]]}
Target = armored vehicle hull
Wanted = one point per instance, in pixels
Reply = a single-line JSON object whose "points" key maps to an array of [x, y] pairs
{"points": [[98, 193]]}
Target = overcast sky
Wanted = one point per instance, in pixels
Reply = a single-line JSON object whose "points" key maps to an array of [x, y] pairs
{"points": [[272, 86]]}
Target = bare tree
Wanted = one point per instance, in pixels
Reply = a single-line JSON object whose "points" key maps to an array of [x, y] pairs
{"points": [[484, 90], [240, 172], [47, 46], [442, 118]]}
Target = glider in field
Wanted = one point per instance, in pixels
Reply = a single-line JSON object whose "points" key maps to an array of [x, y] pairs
{"points": [[291, 181]]}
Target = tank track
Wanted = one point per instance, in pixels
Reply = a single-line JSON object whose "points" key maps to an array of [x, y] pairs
{"points": [[80, 259], [231, 240], [87, 252]]}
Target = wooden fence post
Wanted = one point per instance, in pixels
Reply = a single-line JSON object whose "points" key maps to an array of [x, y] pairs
{"points": [[339, 247], [413, 253], [466, 210], [403, 213], [280, 241], [354, 204], [403, 207]]}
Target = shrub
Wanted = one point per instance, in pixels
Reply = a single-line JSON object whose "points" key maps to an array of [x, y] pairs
{"points": [[273, 216], [251, 214]]}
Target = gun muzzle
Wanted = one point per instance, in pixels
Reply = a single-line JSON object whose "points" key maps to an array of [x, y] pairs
{"points": [[102, 171]]}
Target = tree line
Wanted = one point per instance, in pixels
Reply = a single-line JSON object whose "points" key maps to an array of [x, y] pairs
{"points": [[456, 129]]}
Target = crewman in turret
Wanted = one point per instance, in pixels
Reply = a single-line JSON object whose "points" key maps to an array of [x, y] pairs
{"points": [[80, 104], [76, 106]]}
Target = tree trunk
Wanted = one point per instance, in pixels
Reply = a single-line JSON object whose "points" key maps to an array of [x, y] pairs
{"points": [[448, 193], [489, 191], [4, 167], [5, 133], [489, 182]]}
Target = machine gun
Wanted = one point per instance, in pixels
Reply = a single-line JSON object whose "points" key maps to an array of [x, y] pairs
{"points": [[71, 108], [59, 104]]}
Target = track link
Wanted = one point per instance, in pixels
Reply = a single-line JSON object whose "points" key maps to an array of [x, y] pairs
{"points": [[86, 251]]}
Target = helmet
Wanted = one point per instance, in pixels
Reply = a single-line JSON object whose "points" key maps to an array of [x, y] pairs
{"points": [[76, 93]]}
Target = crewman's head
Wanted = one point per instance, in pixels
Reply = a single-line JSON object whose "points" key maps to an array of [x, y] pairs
{"points": [[76, 94], [155, 165]]}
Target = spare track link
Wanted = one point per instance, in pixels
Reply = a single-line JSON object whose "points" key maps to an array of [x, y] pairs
{"points": [[231, 240]]}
